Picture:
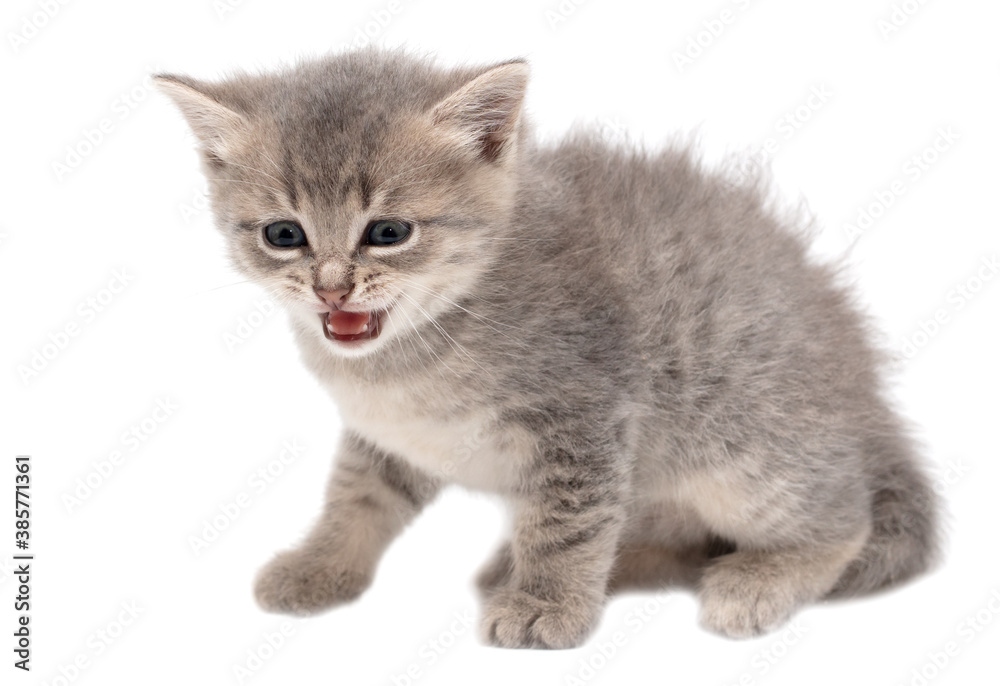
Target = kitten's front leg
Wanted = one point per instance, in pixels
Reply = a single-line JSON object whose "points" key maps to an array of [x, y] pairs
{"points": [[566, 530], [371, 497]]}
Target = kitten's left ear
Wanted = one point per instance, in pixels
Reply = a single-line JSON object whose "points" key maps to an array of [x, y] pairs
{"points": [[484, 113], [216, 126]]}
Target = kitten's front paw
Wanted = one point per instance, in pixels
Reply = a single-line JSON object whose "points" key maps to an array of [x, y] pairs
{"points": [[515, 619], [744, 600], [303, 583]]}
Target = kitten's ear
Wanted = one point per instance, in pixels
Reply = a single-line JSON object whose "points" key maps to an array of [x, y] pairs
{"points": [[484, 113], [216, 126]]}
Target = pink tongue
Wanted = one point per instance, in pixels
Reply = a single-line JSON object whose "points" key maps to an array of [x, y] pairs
{"points": [[348, 323]]}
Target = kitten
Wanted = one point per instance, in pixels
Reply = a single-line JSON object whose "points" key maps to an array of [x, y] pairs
{"points": [[634, 351]]}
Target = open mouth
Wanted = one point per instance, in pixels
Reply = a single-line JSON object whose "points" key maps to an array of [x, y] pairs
{"points": [[350, 327]]}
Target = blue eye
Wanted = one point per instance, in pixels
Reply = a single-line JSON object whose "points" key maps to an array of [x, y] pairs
{"points": [[285, 235], [386, 232]]}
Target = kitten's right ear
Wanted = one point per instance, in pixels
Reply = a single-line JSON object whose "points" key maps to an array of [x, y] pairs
{"points": [[485, 112], [216, 126]]}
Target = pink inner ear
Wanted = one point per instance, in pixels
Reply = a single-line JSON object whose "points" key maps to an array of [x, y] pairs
{"points": [[487, 108], [492, 141], [216, 126]]}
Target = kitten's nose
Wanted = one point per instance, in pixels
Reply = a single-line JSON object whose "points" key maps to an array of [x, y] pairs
{"points": [[333, 299]]}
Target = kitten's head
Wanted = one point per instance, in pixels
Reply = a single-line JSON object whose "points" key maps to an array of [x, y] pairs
{"points": [[366, 190]]}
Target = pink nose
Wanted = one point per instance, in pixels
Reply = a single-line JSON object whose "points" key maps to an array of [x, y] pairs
{"points": [[334, 299]]}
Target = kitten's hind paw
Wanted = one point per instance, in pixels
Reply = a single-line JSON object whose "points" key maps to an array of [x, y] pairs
{"points": [[742, 600], [515, 619], [302, 583]]}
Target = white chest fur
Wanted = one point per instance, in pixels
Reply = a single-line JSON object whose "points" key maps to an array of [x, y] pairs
{"points": [[454, 446]]}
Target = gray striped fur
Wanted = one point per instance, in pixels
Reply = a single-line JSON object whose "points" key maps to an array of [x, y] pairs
{"points": [[632, 349]]}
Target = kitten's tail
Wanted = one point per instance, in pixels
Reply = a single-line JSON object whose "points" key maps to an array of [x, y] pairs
{"points": [[905, 538]]}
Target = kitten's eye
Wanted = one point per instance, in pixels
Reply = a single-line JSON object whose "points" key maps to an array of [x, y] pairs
{"points": [[387, 232], [285, 235]]}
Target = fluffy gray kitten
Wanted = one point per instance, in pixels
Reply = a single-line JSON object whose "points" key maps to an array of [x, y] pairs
{"points": [[635, 352]]}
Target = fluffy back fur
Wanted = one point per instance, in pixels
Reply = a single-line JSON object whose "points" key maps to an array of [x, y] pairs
{"points": [[634, 350]]}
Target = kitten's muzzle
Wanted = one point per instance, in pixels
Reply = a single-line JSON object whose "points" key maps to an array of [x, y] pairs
{"points": [[346, 326]]}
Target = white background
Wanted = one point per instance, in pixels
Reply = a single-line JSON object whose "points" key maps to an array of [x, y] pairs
{"points": [[133, 202]]}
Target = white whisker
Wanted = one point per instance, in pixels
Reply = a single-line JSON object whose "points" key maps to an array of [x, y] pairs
{"points": [[249, 183], [455, 345], [486, 320], [254, 169], [276, 167], [404, 172], [426, 344]]}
